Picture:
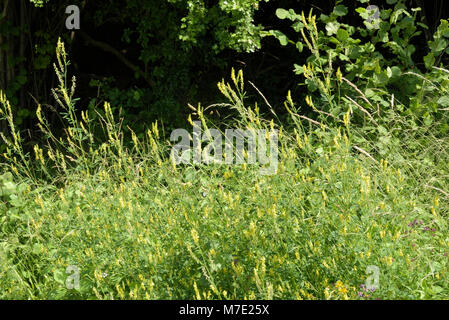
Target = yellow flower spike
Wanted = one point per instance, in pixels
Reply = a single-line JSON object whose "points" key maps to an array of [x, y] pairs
{"points": [[240, 77], [314, 24], [307, 71], [86, 116], [155, 129], [309, 18], [303, 18], [336, 142], [233, 76], [36, 152], [58, 53], [309, 45], [134, 139], [339, 75], [390, 260], [308, 102], [344, 291], [195, 236], [189, 119], [38, 113], [83, 128], [220, 87], [436, 202], [289, 98], [327, 295], [323, 193]]}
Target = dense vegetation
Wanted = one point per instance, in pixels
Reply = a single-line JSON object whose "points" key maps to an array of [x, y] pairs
{"points": [[362, 183]]}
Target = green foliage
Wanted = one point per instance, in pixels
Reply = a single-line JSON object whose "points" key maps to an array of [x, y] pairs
{"points": [[39, 3], [439, 45], [175, 39], [139, 227], [10, 192], [374, 61], [222, 17]]}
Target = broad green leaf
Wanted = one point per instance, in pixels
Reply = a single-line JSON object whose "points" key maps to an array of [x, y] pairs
{"points": [[282, 13], [429, 60], [444, 101], [340, 10], [342, 35]]}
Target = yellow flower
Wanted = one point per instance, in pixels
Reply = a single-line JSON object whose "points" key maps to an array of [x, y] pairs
{"points": [[195, 236], [343, 290], [339, 75]]}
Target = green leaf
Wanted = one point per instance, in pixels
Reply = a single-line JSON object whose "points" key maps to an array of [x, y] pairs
{"points": [[342, 35], [441, 45], [298, 69], [341, 10], [444, 101], [396, 71], [381, 78], [282, 13], [429, 60], [59, 276], [297, 26], [437, 289], [280, 36], [36, 248]]}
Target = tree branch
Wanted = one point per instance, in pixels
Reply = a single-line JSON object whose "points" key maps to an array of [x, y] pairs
{"points": [[108, 48], [4, 10]]}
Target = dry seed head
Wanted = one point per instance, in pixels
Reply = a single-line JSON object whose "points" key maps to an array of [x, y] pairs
{"points": [[72, 89]]}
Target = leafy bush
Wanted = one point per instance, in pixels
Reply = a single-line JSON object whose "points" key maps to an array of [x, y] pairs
{"points": [[375, 60], [138, 227]]}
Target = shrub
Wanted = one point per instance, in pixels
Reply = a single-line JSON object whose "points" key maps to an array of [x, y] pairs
{"points": [[137, 227]]}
